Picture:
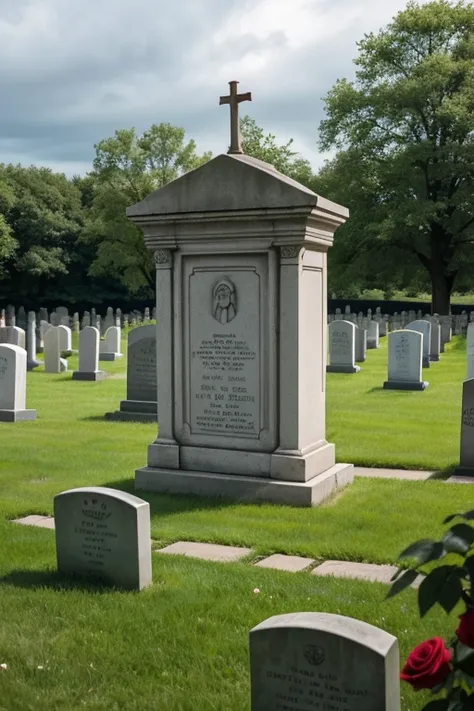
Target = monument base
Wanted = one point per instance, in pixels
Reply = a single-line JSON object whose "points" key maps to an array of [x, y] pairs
{"points": [[426, 362], [342, 369], [31, 364], [434, 358], [403, 385], [135, 411], [97, 375], [17, 415], [463, 472], [372, 344], [110, 356], [248, 489]]}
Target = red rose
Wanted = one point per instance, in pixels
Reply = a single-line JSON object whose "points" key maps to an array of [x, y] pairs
{"points": [[465, 631], [428, 664]]}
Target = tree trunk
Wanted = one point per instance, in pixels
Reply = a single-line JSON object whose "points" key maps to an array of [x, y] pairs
{"points": [[442, 278], [441, 286]]}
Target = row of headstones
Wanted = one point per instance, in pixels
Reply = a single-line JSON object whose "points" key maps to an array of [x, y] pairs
{"points": [[61, 317], [409, 350], [394, 322], [298, 661]]}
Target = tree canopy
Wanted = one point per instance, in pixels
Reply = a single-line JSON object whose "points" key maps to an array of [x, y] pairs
{"points": [[404, 132]]}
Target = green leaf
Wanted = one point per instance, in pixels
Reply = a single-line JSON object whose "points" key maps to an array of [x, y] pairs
{"points": [[464, 659], [459, 538], [467, 516], [423, 551], [442, 586], [402, 582]]}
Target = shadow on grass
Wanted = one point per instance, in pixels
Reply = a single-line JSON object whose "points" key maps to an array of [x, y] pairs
{"points": [[53, 580], [169, 504], [443, 473], [377, 389]]}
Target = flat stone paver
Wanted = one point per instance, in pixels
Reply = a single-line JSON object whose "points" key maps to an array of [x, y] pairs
{"points": [[407, 474], [290, 563], [206, 551], [460, 480], [35, 520], [359, 571]]}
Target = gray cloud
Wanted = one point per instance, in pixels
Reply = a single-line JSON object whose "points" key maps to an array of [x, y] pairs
{"points": [[71, 73]]}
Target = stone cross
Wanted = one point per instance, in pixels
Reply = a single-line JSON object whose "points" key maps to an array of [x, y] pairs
{"points": [[234, 99]]}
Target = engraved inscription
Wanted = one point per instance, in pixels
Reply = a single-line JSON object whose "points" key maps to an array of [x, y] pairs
{"points": [[95, 533], [340, 343], [141, 376], [305, 690], [224, 301], [402, 356], [224, 400], [225, 353], [468, 416], [3, 367]]}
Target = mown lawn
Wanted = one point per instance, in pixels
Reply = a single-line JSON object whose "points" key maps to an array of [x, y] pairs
{"points": [[183, 644]]}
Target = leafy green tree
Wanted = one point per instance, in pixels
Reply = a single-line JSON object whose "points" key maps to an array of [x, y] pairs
{"points": [[42, 213], [258, 145], [127, 168], [405, 127], [8, 243]]}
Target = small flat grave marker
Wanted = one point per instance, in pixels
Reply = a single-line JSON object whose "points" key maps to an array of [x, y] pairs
{"points": [[310, 660], [104, 534]]}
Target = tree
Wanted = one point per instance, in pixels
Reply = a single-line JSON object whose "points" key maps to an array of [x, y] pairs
{"points": [[41, 218], [255, 143], [406, 126], [127, 168]]}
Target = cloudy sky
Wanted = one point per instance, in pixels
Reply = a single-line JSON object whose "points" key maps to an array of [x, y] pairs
{"points": [[73, 71]]}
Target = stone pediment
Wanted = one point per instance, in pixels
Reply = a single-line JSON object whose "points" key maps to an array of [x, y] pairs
{"points": [[228, 183]]}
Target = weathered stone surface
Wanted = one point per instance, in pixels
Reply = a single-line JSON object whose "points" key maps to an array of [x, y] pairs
{"points": [[342, 339], [309, 660], [104, 534], [290, 563], [423, 327], [206, 551], [405, 361], [359, 571], [13, 384], [466, 460]]}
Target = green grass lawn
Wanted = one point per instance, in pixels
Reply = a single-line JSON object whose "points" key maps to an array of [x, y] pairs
{"points": [[183, 644]]}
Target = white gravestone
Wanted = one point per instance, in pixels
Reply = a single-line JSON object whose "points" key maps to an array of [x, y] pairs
{"points": [[435, 342], [53, 363], [446, 323], [241, 335], [65, 339], [13, 335], [466, 459], [109, 348], [423, 327], [89, 339], [104, 534], [109, 320], [62, 316], [373, 331], [470, 351], [316, 660], [405, 361], [342, 338], [13, 385], [31, 342], [360, 345], [140, 404]]}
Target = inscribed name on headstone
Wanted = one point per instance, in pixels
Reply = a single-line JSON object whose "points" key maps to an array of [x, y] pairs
{"points": [[13, 384], [104, 534], [141, 364], [310, 660], [423, 327], [342, 336], [405, 361]]}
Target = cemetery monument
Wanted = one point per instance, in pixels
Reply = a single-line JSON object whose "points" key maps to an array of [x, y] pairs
{"points": [[13, 384], [241, 282], [405, 361]]}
